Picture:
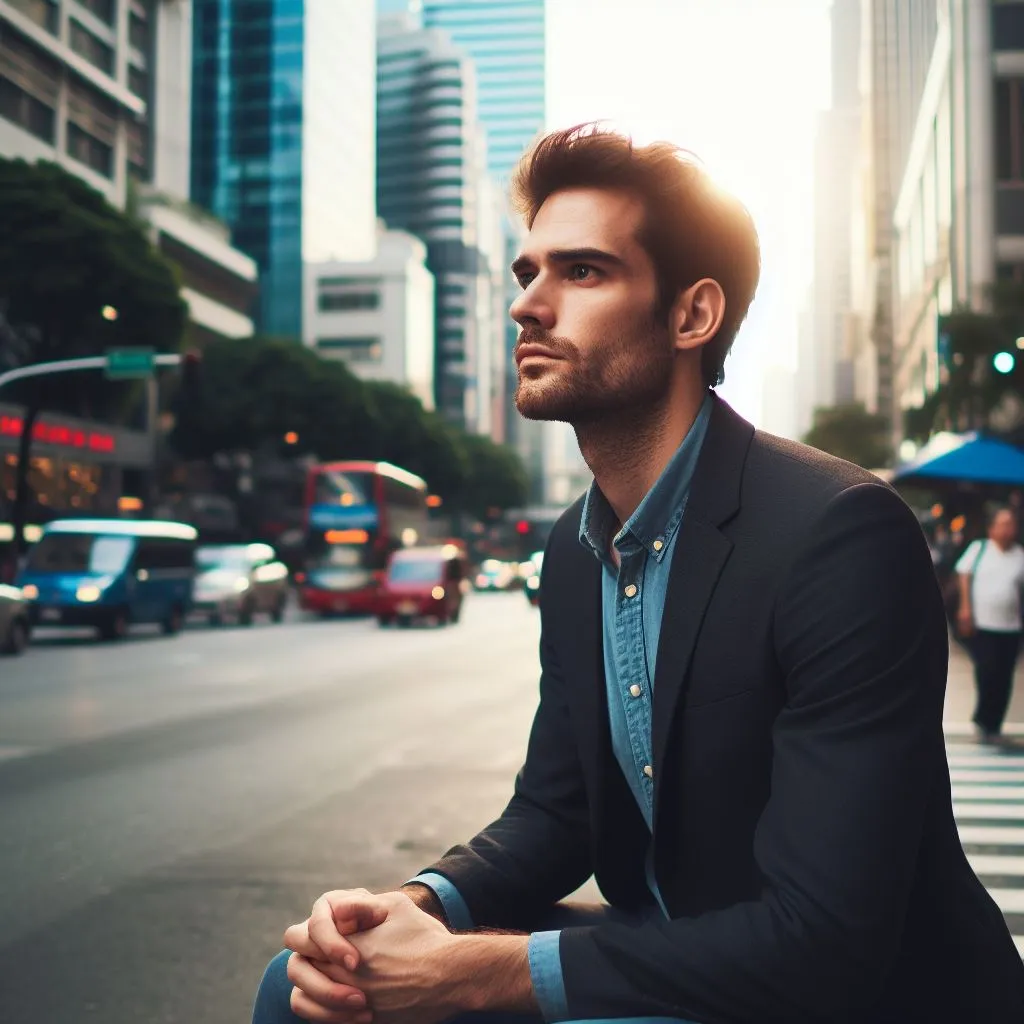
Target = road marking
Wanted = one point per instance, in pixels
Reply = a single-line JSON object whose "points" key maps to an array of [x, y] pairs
{"points": [[995, 864], [11, 752]]}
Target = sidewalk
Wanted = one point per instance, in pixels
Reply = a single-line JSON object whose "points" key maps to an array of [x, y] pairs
{"points": [[960, 695]]}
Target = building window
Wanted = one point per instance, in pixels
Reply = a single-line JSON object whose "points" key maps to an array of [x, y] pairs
{"points": [[137, 136], [29, 83], [1007, 26], [1010, 130], [138, 32], [356, 350], [138, 81], [92, 127], [93, 49], [26, 111], [42, 12], [333, 303], [88, 150], [103, 9]]}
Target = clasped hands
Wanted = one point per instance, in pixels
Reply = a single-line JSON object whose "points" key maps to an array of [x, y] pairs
{"points": [[361, 957]]}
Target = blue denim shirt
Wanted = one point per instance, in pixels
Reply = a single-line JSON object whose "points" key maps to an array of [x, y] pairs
{"points": [[632, 603]]}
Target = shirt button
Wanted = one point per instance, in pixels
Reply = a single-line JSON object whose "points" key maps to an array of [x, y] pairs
{"points": [[648, 771], [658, 545], [635, 691], [630, 591]]}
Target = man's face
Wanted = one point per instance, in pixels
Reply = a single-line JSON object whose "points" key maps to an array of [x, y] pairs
{"points": [[1003, 530], [590, 343]]}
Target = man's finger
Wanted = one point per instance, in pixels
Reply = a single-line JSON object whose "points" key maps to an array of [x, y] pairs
{"points": [[329, 994], [355, 912], [296, 938], [304, 1007]]}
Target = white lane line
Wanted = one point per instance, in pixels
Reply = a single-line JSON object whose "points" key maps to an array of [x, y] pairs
{"points": [[994, 777], [11, 752], [997, 762], [995, 864], [1010, 901], [968, 728], [972, 811], [1019, 940], [986, 794], [992, 835]]}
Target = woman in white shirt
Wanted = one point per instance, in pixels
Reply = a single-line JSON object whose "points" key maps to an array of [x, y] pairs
{"points": [[991, 574]]}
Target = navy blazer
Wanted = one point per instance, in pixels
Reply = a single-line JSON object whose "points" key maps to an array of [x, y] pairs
{"points": [[805, 844]]}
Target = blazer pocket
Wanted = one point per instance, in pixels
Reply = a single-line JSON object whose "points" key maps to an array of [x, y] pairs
{"points": [[707, 697]]}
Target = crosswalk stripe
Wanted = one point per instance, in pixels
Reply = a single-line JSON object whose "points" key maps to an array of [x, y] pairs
{"points": [[988, 802], [995, 864], [973, 810]]}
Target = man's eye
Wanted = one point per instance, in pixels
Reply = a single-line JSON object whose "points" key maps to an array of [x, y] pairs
{"points": [[581, 272]]}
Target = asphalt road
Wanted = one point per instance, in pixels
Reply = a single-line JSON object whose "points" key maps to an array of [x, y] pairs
{"points": [[168, 806]]}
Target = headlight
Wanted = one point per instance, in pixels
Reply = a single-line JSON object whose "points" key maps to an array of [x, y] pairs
{"points": [[30, 592], [241, 585], [88, 594], [437, 593], [533, 583]]}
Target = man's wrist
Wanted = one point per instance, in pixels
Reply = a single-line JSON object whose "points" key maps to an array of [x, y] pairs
{"points": [[426, 899], [490, 973]]}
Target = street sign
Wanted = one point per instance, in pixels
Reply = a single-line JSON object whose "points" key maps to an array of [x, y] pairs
{"points": [[129, 363]]}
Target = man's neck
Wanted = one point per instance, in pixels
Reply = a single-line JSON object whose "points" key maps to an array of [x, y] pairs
{"points": [[627, 453]]}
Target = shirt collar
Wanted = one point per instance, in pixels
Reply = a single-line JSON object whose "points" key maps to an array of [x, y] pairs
{"points": [[657, 518]]}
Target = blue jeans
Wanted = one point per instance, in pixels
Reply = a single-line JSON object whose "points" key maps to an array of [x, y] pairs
{"points": [[274, 995]]}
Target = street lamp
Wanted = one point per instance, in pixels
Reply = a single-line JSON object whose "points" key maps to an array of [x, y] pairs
{"points": [[109, 313], [1004, 362], [291, 437]]}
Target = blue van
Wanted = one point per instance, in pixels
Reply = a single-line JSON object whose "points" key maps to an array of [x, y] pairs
{"points": [[110, 573]]}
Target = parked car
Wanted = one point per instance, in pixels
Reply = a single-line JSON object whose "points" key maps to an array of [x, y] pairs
{"points": [[15, 628], [532, 585], [495, 575], [238, 582], [424, 583], [110, 573]]}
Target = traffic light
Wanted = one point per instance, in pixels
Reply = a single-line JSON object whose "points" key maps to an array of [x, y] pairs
{"points": [[191, 376], [1004, 362]]}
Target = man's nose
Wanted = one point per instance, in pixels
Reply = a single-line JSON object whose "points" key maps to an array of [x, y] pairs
{"points": [[531, 309]]}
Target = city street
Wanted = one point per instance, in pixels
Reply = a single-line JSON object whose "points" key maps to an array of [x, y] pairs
{"points": [[169, 805]]}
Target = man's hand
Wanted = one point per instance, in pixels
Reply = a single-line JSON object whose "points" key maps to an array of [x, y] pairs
{"points": [[401, 957]]}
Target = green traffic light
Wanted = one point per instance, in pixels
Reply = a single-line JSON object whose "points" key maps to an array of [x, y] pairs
{"points": [[1004, 362]]}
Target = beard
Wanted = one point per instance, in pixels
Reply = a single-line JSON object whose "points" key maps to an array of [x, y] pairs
{"points": [[630, 375]]}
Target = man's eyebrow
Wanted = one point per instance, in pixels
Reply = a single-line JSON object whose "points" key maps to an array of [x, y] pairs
{"points": [[587, 254]]}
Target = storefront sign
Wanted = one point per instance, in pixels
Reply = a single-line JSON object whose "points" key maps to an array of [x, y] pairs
{"points": [[59, 435]]}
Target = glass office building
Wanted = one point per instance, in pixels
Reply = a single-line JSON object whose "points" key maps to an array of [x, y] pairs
{"points": [[282, 136]]}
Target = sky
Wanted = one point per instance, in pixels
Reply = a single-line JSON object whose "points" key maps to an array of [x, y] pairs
{"points": [[738, 82]]}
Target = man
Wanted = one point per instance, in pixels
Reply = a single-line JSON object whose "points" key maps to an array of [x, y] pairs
{"points": [[991, 574], [743, 663]]}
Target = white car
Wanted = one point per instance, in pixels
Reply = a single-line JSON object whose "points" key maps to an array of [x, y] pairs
{"points": [[236, 582]]}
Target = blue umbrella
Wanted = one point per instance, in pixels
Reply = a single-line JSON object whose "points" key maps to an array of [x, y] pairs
{"points": [[970, 458]]}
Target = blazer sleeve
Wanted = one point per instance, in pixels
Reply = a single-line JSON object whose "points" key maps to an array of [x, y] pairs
{"points": [[860, 636], [538, 851]]}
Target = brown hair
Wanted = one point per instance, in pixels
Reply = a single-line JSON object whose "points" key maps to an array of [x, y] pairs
{"points": [[692, 228]]}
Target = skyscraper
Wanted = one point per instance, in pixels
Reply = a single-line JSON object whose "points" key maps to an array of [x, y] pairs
{"points": [[506, 41], [432, 182], [282, 141]]}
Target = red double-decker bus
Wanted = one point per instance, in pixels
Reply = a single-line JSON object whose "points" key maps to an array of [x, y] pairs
{"points": [[357, 514]]}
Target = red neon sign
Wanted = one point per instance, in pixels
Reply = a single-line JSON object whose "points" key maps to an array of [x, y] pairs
{"points": [[60, 436]]}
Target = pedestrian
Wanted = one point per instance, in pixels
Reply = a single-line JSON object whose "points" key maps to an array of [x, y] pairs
{"points": [[743, 665], [991, 574]]}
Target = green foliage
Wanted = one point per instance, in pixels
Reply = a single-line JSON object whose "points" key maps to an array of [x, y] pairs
{"points": [[851, 432], [256, 390], [65, 254]]}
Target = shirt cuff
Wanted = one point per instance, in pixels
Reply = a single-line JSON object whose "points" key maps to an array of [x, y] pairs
{"points": [[546, 975], [455, 908]]}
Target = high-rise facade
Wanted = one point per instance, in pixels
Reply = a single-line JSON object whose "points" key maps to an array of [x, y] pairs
{"points": [[87, 83], [507, 43], [283, 123], [432, 182]]}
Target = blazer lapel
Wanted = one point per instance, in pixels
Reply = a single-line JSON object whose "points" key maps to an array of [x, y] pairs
{"points": [[701, 553]]}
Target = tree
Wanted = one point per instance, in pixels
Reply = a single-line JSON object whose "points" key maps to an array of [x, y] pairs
{"points": [[851, 432], [77, 276], [255, 391], [497, 477]]}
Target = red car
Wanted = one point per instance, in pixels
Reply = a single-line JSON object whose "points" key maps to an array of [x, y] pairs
{"points": [[423, 583]]}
